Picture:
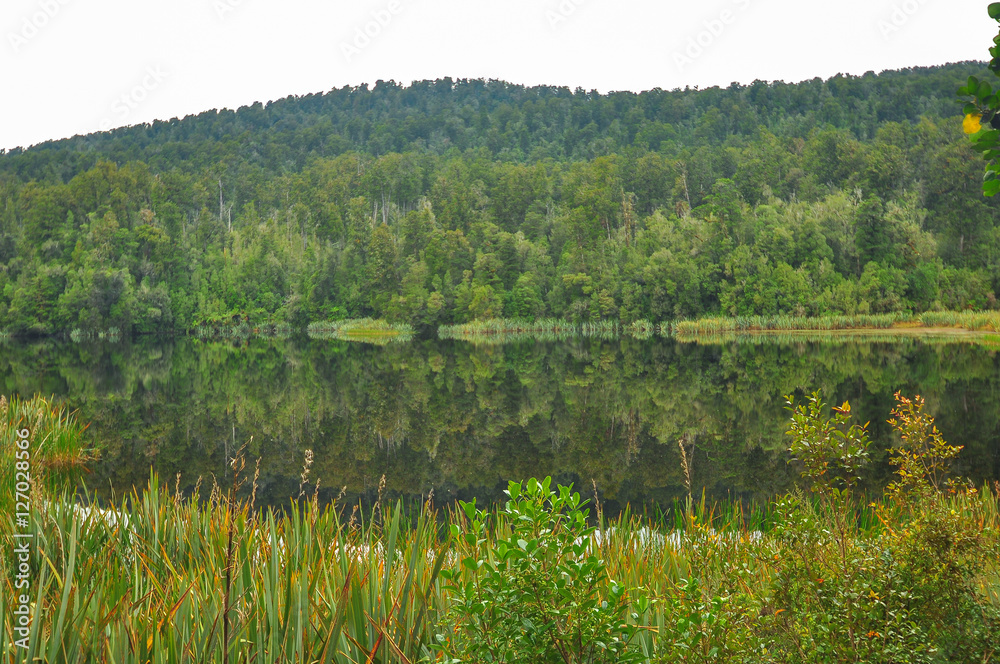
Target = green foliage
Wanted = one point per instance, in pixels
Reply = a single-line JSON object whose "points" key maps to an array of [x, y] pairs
{"points": [[537, 590], [831, 452], [981, 108], [530, 203], [899, 583], [922, 457], [703, 627], [839, 594]]}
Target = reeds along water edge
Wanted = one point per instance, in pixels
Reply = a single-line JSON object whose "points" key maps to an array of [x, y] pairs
{"points": [[974, 321], [364, 330]]}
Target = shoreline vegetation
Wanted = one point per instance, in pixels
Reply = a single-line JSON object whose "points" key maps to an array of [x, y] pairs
{"points": [[964, 325], [363, 330], [242, 330], [911, 576], [896, 323], [500, 330], [932, 324]]}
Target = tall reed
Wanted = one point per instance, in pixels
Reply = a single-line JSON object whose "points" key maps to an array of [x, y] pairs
{"points": [[241, 331]]}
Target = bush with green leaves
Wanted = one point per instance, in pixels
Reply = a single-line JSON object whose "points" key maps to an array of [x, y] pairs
{"points": [[831, 451], [895, 581], [837, 594], [534, 588], [982, 114], [701, 626]]}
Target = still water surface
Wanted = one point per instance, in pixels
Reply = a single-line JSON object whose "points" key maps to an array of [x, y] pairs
{"points": [[463, 419]]}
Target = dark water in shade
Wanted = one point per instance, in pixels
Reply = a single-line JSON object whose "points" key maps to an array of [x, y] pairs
{"points": [[463, 419]]}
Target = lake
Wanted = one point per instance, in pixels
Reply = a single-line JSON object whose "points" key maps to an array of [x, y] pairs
{"points": [[462, 419]]}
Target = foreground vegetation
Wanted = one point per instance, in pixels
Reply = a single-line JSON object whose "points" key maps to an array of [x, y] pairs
{"points": [[829, 577]]}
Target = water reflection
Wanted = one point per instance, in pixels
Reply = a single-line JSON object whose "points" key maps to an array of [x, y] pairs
{"points": [[461, 419]]}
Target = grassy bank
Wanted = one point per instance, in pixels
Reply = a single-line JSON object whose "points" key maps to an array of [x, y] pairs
{"points": [[171, 579], [506, 330], [971, 321], [365, 330], [497, 331], [864, 335], [829, 577], [712, 330], [78, 335]]}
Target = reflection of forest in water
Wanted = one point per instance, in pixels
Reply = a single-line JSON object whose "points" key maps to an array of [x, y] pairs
{"points": [[463, 419]]}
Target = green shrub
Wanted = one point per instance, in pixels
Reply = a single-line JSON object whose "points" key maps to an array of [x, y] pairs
{"points": [[903, 586], [703, 627], [534, 589]]}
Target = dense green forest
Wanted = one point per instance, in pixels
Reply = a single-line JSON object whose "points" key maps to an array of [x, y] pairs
{"points": [[449, 201]]}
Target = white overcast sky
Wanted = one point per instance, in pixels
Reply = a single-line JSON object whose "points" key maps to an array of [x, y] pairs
{"points": [[74, 66]]}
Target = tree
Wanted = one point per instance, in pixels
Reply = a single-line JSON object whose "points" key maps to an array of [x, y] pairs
{"points": [[525, 299], [383, 278]]}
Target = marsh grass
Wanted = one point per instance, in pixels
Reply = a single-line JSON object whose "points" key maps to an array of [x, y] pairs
{"points": [[363, 330], [988, 321], [241, 331], [786, 323], [511, 330], [112, 334], [640, 329], [841, 337], [985, 321], [498, 331], [762, 329]]}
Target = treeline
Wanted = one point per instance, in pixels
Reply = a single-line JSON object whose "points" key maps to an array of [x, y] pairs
{"points": [[446, 202]]}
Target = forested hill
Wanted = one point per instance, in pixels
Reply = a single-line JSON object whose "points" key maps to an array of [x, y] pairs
{"points": [[447, 201], [512, 122]]}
